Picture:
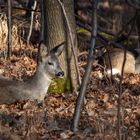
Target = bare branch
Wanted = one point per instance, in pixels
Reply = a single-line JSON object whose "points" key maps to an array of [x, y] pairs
{"points": [[85, 79], [21, 8], [131, 21], [32, 20], [42, 30], [119, 116], [42, 21], [135, 6], [9, 51]]}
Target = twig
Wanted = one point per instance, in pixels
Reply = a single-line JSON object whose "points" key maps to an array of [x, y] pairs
{"points": [[42, 20], [119, 126], [131, 21], [32, 20], [2, 39], [9, 51], [138, 28], [25, 9], [110, 64], [81, 21], [85, 79], [42, 30], [135, 6], [71, 41], [101, 37]]}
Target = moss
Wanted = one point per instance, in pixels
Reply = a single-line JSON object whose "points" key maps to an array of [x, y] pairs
{"points": [[107, 35], [60, 85]]}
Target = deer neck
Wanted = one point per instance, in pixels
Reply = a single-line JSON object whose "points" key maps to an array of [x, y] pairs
{"points": [[41, 80], [43, 75]]}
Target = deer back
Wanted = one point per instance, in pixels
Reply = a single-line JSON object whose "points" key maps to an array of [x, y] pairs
{"points": [[116, 58]]}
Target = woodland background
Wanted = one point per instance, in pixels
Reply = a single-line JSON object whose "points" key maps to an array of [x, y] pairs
{"points": [[99, 115]]}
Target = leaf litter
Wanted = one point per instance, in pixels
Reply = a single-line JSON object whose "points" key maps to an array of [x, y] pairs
{"points": [[52, 119]]}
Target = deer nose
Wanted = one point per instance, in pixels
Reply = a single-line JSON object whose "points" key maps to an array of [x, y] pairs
{"points": [[60, 74]]}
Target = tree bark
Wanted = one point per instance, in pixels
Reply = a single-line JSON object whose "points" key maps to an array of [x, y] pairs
{"points": [[69, 8], [55, 33]]}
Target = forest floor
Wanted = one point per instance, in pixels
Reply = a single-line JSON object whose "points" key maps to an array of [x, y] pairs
{"points": [[26, 120], [52, 120]]}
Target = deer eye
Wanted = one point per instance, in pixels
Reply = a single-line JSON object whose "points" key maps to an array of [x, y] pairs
{"points": [[50, 63]]}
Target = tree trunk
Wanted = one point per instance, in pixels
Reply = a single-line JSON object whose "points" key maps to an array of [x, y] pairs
{"points": [[56, 32], [69, 8]]}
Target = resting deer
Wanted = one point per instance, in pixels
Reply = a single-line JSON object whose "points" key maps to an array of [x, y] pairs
{"points": [[34, 88], [132, 65]]}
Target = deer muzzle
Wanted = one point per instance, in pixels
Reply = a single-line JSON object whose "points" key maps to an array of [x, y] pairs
{"points": [[60, 74]]}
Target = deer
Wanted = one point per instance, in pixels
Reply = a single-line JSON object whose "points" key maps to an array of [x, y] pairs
{"points": [[116, 56], [36, 86]]}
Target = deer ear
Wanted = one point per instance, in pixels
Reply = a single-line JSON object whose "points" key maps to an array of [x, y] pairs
{"points": [[58, 49], [43, 50]]}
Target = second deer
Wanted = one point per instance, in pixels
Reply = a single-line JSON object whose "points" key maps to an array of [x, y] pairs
{"points": [[116, 57]]}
